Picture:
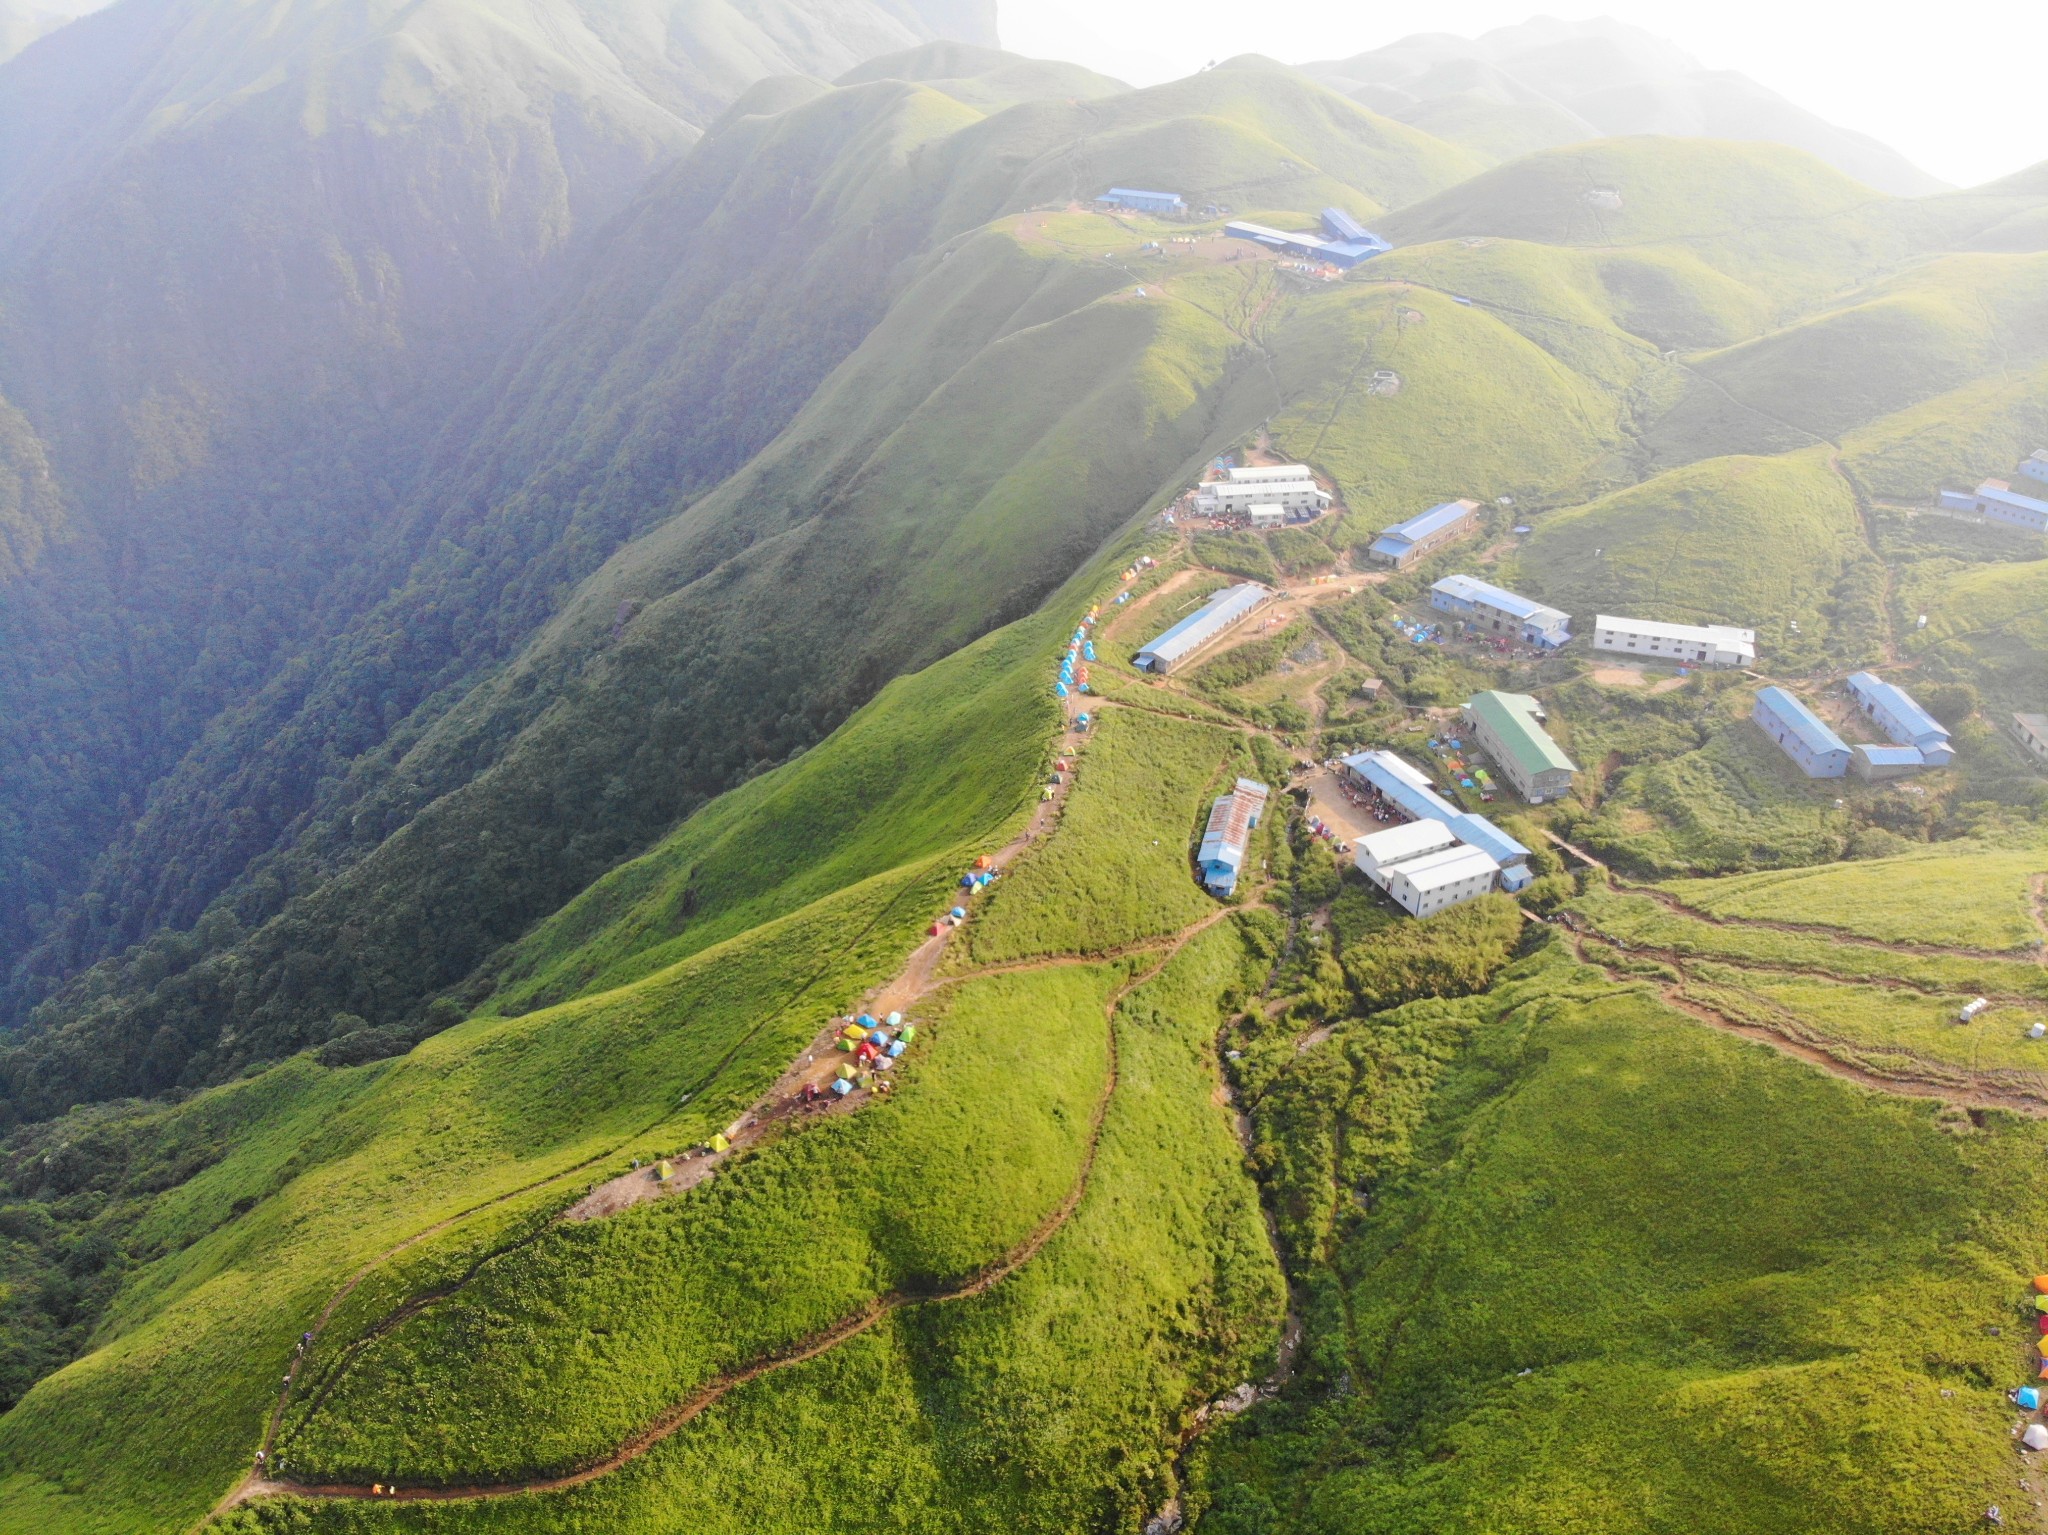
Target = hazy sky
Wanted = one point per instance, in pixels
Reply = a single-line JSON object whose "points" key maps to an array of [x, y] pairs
{"points": [[1956, 86]]}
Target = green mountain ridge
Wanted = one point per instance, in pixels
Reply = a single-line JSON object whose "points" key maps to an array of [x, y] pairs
{"points": [[640, 723]]}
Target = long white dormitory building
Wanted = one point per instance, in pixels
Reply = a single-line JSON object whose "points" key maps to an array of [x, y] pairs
{"points": [[1290, 487], [1687, 644]]}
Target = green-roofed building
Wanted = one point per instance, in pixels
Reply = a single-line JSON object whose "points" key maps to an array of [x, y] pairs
{"points": [[1508, 727]]}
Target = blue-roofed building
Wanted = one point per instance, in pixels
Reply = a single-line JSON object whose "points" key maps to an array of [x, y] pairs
{"points": [[2001, 503], [1339, 225], [1801, 734], [1401, 788], [1406, 542], [1218, 616], [1892, 709], [1496, 611], [1345, 253], [1227, 837], [1140, 201], [1877, 762]]}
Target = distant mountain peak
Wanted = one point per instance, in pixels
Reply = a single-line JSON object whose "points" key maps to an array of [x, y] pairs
{"points": [[1547, 82]]}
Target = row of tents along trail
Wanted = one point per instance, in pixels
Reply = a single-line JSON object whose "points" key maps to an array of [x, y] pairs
{"points": [[980, 877], [1073, 673]]}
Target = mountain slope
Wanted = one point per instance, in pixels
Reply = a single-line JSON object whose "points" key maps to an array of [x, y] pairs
{"points": [[869, 491], [1547, 83], [250, 255]]}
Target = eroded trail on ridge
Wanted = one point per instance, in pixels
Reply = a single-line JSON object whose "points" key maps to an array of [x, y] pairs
{"points": [[681, 1413], [1918, 1077]]}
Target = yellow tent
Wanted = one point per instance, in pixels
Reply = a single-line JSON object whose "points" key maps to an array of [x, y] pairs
{"points": [[662, 1170], [720, 1144]]}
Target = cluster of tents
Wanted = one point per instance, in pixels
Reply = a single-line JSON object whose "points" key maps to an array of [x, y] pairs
{"points": [[2028, 1398], [1073, 674], [983, 873], [873, 1047], [1469, 775]]}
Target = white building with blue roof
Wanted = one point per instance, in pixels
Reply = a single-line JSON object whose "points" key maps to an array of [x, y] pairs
{"points": [[1342, 241], [1139, 200], [2001, 503], [1406, 542], [1893, 710], [1215, 618], [1406, 790], [1801, 734], [1497, 611]]}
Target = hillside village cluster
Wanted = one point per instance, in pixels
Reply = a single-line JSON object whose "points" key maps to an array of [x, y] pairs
{"points": [[1434, 854]]}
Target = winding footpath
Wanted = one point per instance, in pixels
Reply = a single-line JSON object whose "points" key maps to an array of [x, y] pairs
{"points": [[769, 1114], [675, 1417]]}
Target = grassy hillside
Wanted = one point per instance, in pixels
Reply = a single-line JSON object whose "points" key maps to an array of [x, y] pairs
{"points": [[1756, 542], [493, 1117], [1936, 329], [1954, 894], [993, 1409], [1782, 225], [624, 1316], [1591, 1280], [954, 381], [1986, 624], [1481, 409]]}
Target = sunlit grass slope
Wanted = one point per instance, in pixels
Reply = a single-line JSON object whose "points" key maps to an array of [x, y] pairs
{"points": [[1776, 220], [994, 1412], [334, 1167], [1482, 410], [1118, 868], [1654, 297], [557, 1352], [890, 787], [1954, 894], [1939, 327], [987, 79], [1987, 623], [1748, 541], [1613, 1271], [168, 1412]]}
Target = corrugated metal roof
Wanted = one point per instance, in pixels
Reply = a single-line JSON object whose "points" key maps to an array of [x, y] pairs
{"points": [[1512, 717], [1230, 824], [1410, 790], [1891, 756], [1253, 474], [1812, 730], [1908, 723], [1998, 490], [1404, 841], [1649, 628], [1207, 621], [1435, 520], [1488, 838], [1472, 589], [1433, 871]]}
